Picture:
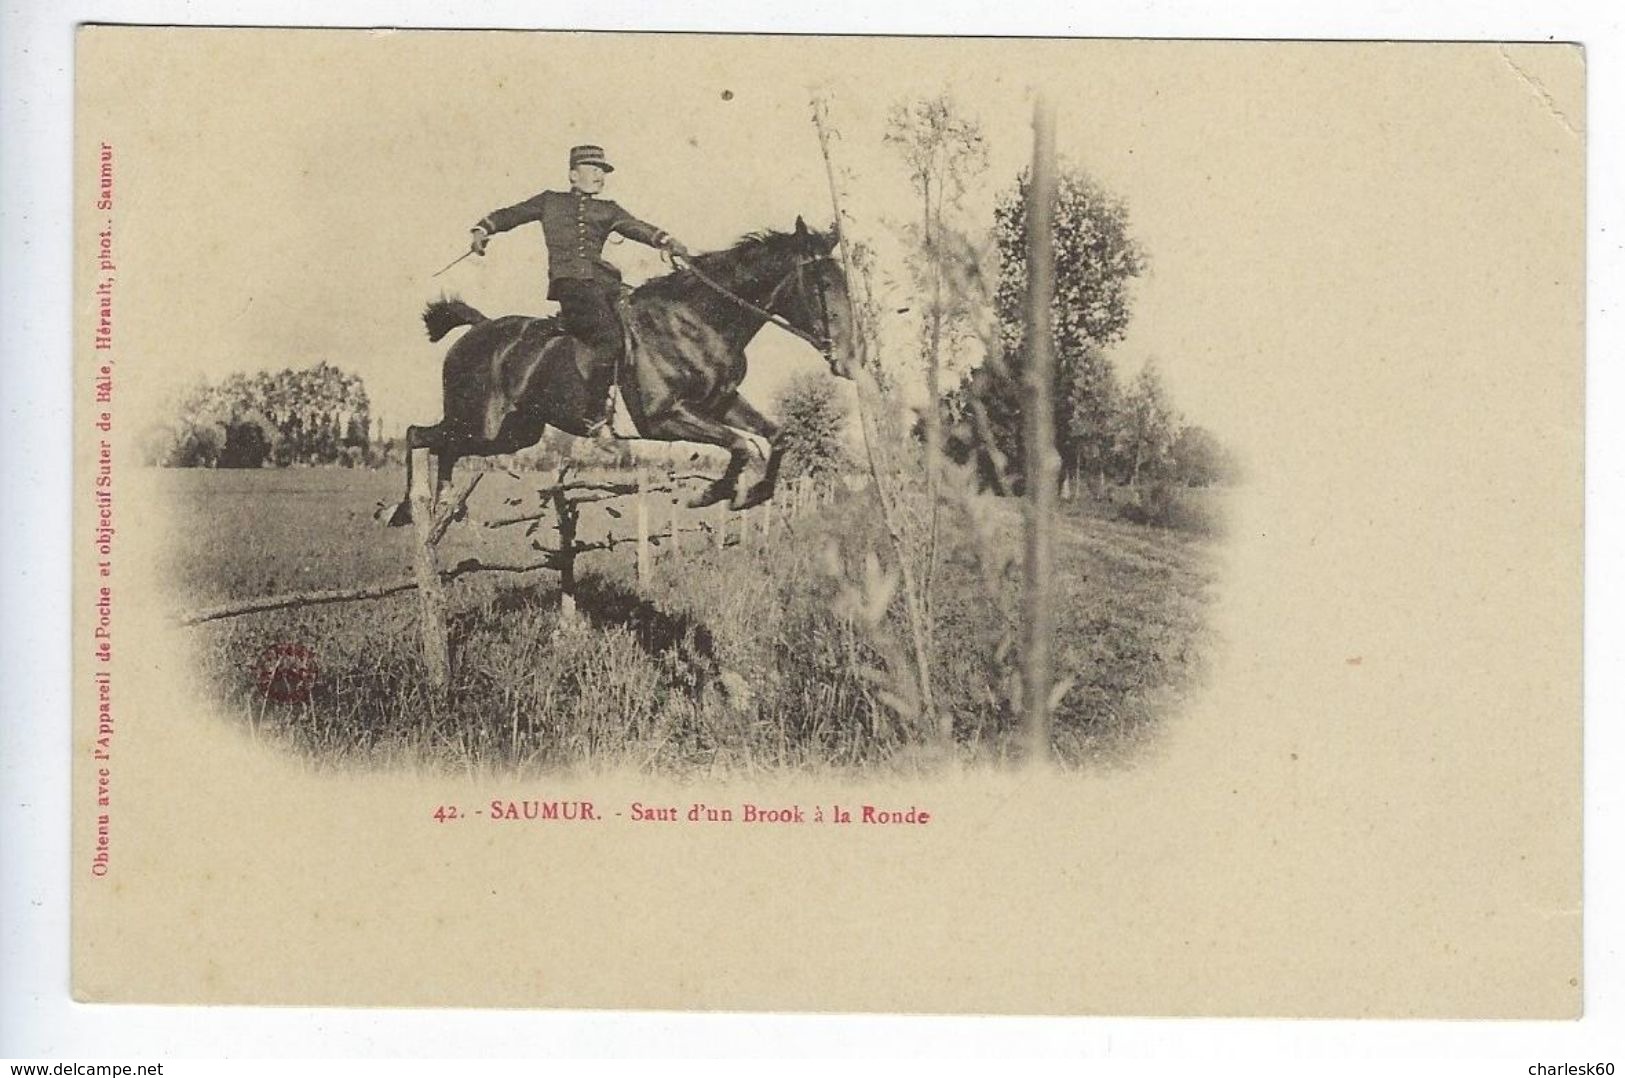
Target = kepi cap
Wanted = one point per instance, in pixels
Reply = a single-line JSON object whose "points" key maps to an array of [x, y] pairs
{"points": [[590, 155]]}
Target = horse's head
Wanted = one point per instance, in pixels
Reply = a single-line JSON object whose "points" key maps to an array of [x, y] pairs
{"points": [[792, 278], [816, 298]]}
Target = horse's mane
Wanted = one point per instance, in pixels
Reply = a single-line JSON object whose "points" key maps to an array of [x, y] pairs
{"points": [[748, 256]]}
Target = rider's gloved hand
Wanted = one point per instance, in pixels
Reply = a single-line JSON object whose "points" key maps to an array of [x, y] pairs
{"points": [[676, 246], [478, 239]]}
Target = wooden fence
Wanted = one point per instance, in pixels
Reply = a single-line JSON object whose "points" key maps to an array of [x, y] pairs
{"points": [[657, 523]]}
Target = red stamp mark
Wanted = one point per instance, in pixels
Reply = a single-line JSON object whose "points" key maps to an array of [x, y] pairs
{"points": [[286, 672]]}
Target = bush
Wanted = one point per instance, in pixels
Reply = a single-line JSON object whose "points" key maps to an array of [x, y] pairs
{"points": [[198, 446], [248, 444], [813, 417], [1168, 505]]}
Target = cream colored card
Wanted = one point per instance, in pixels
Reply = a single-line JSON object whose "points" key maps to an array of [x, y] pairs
{"points": [[1325, 762]]}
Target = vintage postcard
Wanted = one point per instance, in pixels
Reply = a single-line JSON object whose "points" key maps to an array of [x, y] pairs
{"points": [[728, 522]]}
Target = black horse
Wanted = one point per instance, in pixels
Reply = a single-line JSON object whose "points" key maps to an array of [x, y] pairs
{"points": [[509, 378]]}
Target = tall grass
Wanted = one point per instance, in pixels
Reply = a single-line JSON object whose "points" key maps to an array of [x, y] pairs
{"points": [[733, 660]]}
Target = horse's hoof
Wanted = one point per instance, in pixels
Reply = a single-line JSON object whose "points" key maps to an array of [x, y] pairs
{"points": [[711, 496], [400, 514], [753, 497]]}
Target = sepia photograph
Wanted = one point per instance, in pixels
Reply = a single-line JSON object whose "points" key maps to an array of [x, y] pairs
{"points": [[769, 522], [803, 542]]}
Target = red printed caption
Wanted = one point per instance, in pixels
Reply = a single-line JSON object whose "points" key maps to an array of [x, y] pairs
{"points": [[504, 810], [100, 415]]}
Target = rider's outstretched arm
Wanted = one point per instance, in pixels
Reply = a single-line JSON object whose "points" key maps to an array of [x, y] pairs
{"points": [[502, 220], [644, 232], [511, 216]]}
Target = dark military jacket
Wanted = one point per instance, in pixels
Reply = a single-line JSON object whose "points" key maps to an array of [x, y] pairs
{"points": [[575, 226]]}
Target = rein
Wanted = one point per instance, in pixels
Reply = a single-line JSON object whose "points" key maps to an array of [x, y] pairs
{"points": [[823, 344]]}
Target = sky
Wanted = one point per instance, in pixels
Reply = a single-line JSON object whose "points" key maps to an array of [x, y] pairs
{"points": [[321, 181], [286, 196]]}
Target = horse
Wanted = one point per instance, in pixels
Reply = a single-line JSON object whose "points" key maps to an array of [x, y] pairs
{"points": [[509, 378]]}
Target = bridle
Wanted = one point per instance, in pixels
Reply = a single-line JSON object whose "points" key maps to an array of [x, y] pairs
{"points": [[824, 342]]}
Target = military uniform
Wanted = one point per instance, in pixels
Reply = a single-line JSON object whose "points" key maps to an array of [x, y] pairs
{"points": [[575, 226]]}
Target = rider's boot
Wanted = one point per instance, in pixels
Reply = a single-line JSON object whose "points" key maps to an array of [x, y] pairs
{"points": [[601, 427], [599, 424]]}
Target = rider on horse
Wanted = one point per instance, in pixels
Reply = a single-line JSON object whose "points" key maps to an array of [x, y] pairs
{"points": [[575, 226]]}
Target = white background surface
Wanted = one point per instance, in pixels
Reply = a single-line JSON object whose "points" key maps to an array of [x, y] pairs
{"points": [[37, 1018]]}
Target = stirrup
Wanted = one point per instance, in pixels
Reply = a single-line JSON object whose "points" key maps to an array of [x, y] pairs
{"points": [[618, 417]]}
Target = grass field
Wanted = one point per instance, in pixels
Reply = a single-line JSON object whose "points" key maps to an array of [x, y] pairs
{"points": [[747, 657]]}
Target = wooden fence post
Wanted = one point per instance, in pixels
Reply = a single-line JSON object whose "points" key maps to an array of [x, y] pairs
{"points": [[565, 510], [642, 498], [674, 513], [426, 569]]}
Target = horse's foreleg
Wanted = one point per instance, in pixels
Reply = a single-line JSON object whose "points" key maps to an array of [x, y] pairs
{"points": [[684, 424], [743, 415]]}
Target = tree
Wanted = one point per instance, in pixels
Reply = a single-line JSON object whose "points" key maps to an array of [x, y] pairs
{"points": [[1146, 432], [250, 440], [197, 446], [943, 151], [1200, 460], [1093, 403], [1096, 258], [813, 418]]}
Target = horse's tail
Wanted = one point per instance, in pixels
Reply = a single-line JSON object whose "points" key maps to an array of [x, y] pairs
{"points": [[445, 314]]}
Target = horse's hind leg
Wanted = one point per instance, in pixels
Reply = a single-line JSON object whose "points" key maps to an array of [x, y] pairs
{"points": [[420, 438], [445, 459]]}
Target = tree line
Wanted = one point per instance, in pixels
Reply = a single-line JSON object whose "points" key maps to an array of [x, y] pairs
{"points": [[316, 415], [1107, 430], [969, 282], [968, 279]]}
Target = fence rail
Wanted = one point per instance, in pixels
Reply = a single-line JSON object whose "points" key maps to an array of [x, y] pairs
{"points": [[562, 503]]}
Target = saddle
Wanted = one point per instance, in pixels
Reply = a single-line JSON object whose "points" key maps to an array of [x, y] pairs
{"points": [[542, 333]]}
